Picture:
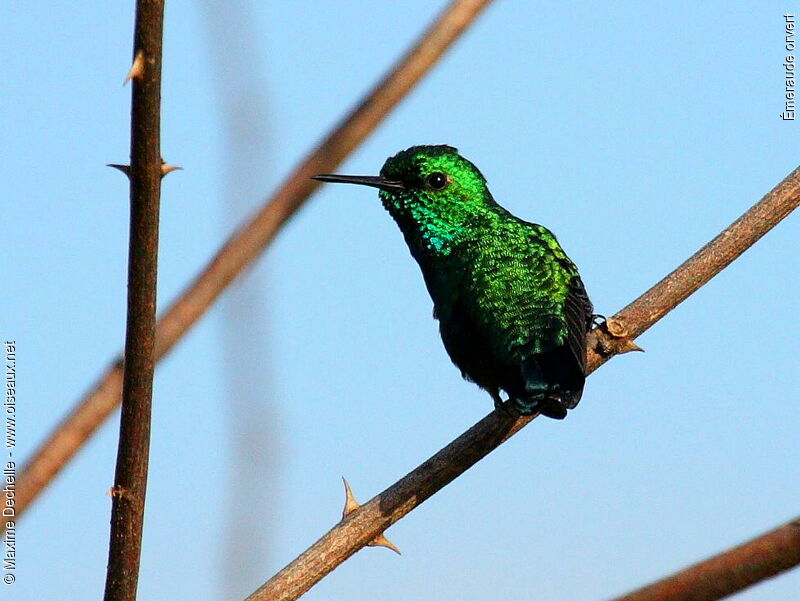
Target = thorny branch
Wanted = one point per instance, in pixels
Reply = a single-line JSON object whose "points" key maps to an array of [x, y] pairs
{"points": [[145, 172], [369, 521], [246, 243]]}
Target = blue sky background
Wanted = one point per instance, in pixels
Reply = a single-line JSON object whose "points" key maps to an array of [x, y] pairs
{"points": [[635, 132]]}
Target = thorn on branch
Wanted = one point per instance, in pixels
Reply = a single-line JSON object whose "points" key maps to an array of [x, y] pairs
{"points": [[350, 505], [126, 169], [612, 337], [165, 168], [117, 492], [137, 68]]}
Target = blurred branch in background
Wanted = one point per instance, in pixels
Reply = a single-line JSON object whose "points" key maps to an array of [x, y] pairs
{"points": [[729, 572], [247, 242], [144, 173], [615, 336], [239, 83]]}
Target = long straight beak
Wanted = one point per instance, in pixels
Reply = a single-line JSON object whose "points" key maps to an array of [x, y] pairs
{"points": [[375, 181]]}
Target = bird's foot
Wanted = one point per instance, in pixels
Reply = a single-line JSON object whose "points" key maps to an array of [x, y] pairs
{"points": [[549, 406], [552, 407], [498, 400], [501, 405]]}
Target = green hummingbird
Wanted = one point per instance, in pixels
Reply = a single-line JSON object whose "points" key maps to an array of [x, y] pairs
{"points": [[513, 312]]}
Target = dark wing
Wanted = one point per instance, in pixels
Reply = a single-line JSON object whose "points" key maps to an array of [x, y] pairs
{"points": [[579, 310], [578, 307]]}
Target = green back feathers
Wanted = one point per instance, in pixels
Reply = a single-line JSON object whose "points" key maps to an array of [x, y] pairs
{"points": [[475, 256]]}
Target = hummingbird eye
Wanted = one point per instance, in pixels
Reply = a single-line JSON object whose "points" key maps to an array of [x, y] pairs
{"points": [[437, 181]]}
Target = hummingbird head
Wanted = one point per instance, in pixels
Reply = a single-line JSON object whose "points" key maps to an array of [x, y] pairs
{"points": [[436, 196], [433, 182]]}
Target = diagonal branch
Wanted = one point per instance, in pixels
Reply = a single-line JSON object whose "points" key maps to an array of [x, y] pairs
{"points": [[130, 480], [730, 571], [370, 520], [707, 262], [248, 242]]}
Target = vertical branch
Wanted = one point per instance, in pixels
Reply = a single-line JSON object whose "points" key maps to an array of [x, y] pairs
{"points": [[130, 482]]}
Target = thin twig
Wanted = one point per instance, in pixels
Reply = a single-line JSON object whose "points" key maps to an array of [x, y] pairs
{"points": [[730, 571], [370, 520], [246, 244], [130, 481]]}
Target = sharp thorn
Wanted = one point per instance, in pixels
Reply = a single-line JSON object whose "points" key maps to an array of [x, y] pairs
{"points": [[167, 168], [350, 503], [137, 68], [382, 541], [618, 338], [627, 346], [126, 169]]}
